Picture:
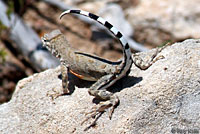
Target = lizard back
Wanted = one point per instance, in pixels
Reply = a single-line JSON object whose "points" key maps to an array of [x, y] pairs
{"points": [[123, 68], [89, 66]]}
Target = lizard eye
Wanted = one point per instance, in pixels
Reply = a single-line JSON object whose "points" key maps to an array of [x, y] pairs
{"points": [[43, 39]]}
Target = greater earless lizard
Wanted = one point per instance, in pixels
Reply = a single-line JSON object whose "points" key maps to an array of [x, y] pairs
{"points": [[93, 68]]}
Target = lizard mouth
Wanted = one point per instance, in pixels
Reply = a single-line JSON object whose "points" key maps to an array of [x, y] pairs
{"points": [[45, 43]]}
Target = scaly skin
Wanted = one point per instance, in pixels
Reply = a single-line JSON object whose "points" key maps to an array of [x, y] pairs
{"points": [[89, 67], [93, 68]]}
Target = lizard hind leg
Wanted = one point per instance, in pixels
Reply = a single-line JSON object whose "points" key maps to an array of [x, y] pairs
{"points": [[109, 99], [102, 106], [143, 65]]}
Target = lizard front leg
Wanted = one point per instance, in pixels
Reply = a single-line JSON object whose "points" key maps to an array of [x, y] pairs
{"points": [[64, 73]]}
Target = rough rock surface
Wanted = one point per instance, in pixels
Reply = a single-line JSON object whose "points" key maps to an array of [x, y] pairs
{"points": [[162, 99], [165, 20]]}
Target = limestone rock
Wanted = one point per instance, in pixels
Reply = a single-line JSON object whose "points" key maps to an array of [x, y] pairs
{"points": [[164, 98]]}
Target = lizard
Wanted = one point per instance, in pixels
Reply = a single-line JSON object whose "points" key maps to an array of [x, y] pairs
{"points": [[93, 68]]}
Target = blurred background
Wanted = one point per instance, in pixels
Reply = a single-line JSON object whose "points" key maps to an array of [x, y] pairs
{"points": [[145, 23]]}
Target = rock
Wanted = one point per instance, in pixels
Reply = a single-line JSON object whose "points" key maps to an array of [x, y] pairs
{"points": [[165, 20], [164, 98]]}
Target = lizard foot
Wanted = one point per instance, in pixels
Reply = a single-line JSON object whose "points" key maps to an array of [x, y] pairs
{"points": [[98, 110]]}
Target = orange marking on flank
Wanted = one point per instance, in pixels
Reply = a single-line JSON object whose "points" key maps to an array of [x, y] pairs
{"points": [[77, 75]]}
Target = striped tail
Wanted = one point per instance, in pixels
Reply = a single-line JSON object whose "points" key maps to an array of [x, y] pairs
{"points": [[127, 61]]}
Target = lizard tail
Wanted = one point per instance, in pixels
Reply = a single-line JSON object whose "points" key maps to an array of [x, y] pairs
{"points": [[127, 61]]}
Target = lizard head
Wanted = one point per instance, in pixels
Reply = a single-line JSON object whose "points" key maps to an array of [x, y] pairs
{"points": [[53, 42]]}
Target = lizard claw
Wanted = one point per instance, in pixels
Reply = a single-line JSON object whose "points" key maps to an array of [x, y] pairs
{"points": [[103, 106], [97, 111]]}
